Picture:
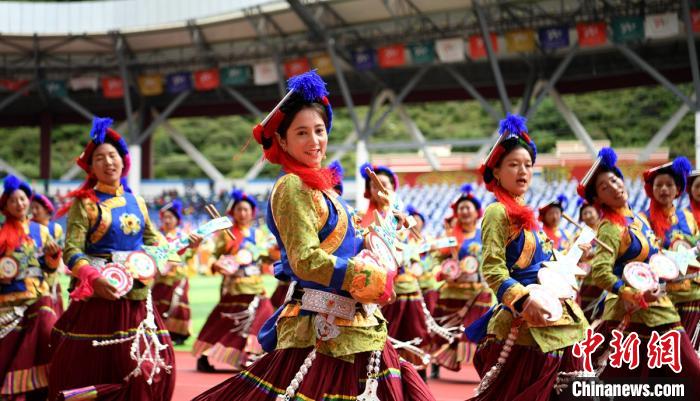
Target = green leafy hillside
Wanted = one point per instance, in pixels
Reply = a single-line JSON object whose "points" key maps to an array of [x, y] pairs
{"points": [[627, 117]]}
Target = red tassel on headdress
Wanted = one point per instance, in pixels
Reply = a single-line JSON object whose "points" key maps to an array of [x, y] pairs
{"points": [[606, 213], [695, 208]]}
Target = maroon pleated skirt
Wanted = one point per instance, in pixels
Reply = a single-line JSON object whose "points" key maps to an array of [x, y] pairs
{"points": [[406, 321], [216, 340], [277, 298], [431, 299], [690, 319], [177, 320], [81, 371], [452, 356], [527, 375], [328, 378], [688, 358], [24, 352]]}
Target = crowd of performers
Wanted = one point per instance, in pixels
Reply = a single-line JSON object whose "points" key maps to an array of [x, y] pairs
{"points": [[366, 304]]}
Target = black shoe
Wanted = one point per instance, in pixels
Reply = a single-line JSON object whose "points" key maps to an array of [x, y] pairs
{"points": [[434, 371], [203, 365]]}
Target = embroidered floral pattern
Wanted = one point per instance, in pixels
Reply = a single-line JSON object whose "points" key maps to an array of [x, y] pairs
{"points": [[130, 224]]}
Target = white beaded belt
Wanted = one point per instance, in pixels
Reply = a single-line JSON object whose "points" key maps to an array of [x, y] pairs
{"points": [[252, 270], [328, 303]]}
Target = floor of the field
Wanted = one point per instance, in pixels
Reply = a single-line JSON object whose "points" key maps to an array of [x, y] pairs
{"points": [[451, 386]]}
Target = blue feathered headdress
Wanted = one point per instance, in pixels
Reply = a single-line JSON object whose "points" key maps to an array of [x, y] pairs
{"points": [[337, 168], [101, 132], [412, 211], [378, 170], [679, 169], [10, 185], [303, 89], [237, 195], [466, 194], [174, 207], [512, 127], [606, 161]]}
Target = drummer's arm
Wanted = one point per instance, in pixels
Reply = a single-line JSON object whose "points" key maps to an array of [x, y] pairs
{"points": [[50, 261], [494, 236], [77, 226], [220, 244], [603, 260]]}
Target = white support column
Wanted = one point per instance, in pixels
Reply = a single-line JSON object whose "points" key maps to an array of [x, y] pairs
{"points": [[574, 123], [697, 139], [419, 138], [134, 177]]}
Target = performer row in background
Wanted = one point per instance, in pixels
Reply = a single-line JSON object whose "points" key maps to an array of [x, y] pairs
{"points": [[28, 255], [109, 343], [464, 297], [230, 332], [327, 340]]}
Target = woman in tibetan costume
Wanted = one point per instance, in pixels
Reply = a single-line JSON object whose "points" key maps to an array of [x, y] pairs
{"points": [[527, 339], [377, 199], [42, 213], [27, 254], [329, 340]]}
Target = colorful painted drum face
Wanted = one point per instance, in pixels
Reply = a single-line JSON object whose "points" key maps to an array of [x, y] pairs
{"points": [[555, 283], [244, 257], [549, 302], [680, 244], [639, 276], [9, 268], [664, 267], [144, 265], [381, 250], [450, 269], [469, 264], [228, 264], [118, 276]]}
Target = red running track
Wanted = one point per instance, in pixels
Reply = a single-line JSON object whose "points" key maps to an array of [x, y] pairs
{"points": [[452, 386]]}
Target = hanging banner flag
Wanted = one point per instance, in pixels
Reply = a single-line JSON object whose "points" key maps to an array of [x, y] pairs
{"points": [[659, 26], [553, 37], [695, 20], [296, 66], [477, 48], [591, 34], [206, 80], [364, 59], [150, 85], [265, 73], [323, 64], [112, 87], [13, 85], [178, 82], [627, 29], [56, 88], [391, 56], [236, 76], [84, 82], [422, 52], [520, 41], [450, 50]]}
